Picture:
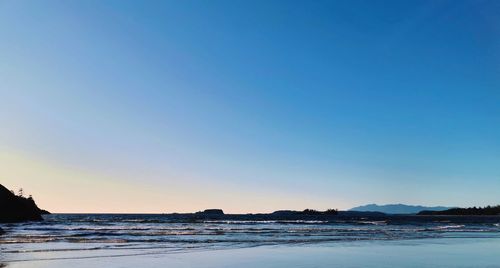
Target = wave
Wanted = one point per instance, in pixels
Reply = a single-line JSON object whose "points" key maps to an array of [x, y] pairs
{"points": [[373, 222], [101, 232], [264, 221], [445, 227]]}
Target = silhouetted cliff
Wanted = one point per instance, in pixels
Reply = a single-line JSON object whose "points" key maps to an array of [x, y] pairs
{"points": [[474, 211], [15, 208]]}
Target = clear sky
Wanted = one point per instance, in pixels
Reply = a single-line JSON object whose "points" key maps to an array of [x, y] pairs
{"points": [[250, 106]]}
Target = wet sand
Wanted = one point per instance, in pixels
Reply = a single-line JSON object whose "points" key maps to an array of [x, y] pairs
{"points": [[481, 252]]}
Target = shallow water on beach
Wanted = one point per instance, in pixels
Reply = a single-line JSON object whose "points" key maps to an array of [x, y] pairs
{"points": [[89, 237]]}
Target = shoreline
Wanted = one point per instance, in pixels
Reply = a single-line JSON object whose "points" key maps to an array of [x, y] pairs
{"points": [[442, 252]]}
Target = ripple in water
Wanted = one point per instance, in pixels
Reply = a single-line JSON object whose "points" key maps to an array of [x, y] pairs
{"points": [[151, 234]]}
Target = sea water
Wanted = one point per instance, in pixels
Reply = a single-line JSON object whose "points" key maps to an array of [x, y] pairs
{"points": [[155, 240]]}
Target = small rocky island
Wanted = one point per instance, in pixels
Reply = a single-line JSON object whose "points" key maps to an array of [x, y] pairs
{"points": [[17, 208]]}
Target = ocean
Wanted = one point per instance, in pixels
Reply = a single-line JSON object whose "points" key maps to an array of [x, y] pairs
{"points": [[85, 239]]}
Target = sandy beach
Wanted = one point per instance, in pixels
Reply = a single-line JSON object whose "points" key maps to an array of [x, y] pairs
{"points": [[414, 253]]}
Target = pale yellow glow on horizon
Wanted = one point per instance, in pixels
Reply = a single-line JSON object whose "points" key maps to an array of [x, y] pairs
{"points": [[63, 189]]}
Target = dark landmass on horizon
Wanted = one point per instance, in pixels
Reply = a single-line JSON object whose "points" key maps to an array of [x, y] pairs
{"points": [[325, 216], [280, 215], [397, 208], [17, 208], [473, 211]]}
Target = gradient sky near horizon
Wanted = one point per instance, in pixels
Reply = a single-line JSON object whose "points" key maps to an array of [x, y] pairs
{"points": [[249, 106]]}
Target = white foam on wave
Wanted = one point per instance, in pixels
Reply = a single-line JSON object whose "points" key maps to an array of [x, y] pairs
{"points": [[262, 222], [445, 227], [374, 222]]}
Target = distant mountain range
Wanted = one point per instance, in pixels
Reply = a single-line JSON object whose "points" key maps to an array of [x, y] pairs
{"points": [[397, 208]]}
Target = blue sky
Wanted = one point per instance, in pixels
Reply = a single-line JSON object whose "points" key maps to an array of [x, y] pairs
{"points": [[250, 105]]}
